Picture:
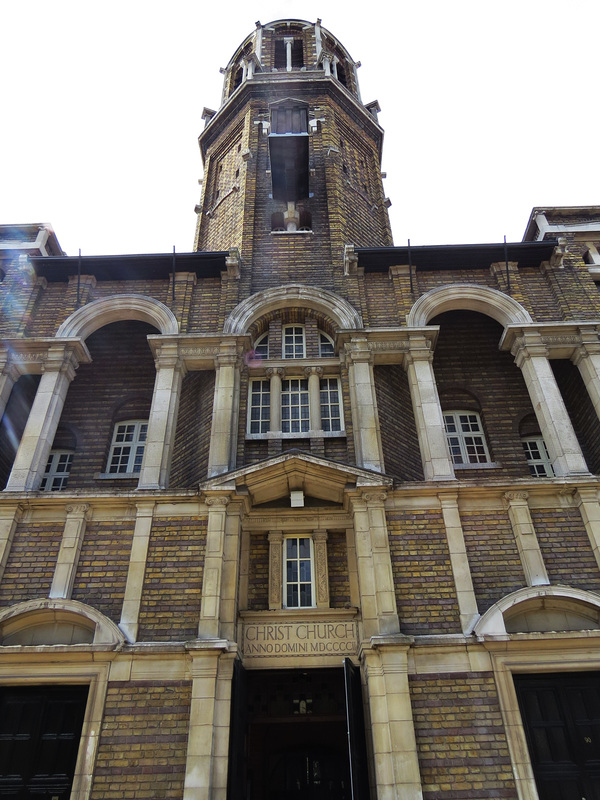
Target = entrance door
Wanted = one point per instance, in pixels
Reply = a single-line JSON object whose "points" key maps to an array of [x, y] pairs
{"points": [[294, 745], [40, 728], [561, 717]]}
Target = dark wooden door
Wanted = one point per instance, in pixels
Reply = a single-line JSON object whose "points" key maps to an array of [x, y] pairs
{"points": [[561, 717], [40, 728]]}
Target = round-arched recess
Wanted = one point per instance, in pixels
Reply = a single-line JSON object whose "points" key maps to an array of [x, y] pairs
{"points": [[98, 313], [467, 297], [323, 301], [56, 622], [539, 609]]}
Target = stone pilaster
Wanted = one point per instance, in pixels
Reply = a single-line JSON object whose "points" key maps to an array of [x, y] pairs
{"points": [[433, 443], [137, 569], [378, 598], [321, 571], [396, 764], [162, 422], [465, 594], [589, 507], [208, 736], [210, 611], [275, 570], [526, 539], [9, 375], [9, 519], [70, 550]]}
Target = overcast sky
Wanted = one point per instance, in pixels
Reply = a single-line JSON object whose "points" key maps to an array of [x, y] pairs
{"points": [[489, 108]]}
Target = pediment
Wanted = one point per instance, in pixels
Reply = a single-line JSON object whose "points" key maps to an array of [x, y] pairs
{"points": [[318, 478]]}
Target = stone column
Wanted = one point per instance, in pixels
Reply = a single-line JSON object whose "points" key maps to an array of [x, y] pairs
{"points": [[465, 594], [10, 516], [321, 570], [70, 550], [531, 356], [223, 434], [527, 543], [314, 396], [275, 376], [587, 359], [275, 570], [289, 41], [208, 736], [230, 568], [589, 507], [132, 601], [210, 610], [396, 764], [378, 598], [38, 436], [365, 419], [433, 443], [162, 422]]}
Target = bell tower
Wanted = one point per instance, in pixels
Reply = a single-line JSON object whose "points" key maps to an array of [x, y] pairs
{"points": [[292, 159]]}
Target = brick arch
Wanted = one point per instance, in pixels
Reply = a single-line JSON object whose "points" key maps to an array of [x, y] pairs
{"points": [[98, 313], [467, 297], [320, 301], [533, 598]]}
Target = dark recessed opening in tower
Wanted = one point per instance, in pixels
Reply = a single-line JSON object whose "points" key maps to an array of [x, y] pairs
{"points": [[288, 146], [277, 222], [341, 74], [237, 80], [289, 167], [280, 60]]}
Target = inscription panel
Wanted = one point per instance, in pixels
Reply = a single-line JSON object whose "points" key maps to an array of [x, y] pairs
{"points": [[313, 638]]}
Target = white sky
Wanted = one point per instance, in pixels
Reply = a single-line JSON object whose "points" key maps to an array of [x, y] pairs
{"points": [[490, 108]]}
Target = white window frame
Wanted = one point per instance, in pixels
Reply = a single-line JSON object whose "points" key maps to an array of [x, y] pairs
{"points": [[538, 458], [325, 342], [298, 582], [259, 413], [261, 346], [332, 413], [295, 391], [466, 439], [298, 343], [136, 446], [58, 469]]}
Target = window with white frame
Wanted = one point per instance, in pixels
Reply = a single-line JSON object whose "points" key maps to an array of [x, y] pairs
{"points": [[260, 406], [58, 468], [287, 405], [127, 447], [298, 572], [331, 409], [326, 348], [466, 439], [261, 348], [537, 456], [294, 345], [295, 408]]}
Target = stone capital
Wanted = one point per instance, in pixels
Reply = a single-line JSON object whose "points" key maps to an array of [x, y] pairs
{"points": [[308, 371]]}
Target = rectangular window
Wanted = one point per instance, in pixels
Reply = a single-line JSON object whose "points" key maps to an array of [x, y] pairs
{"points": [[295, 410], [331, 408], [260, 406], [293, 341], [57, 471], [127, 448], [298, 572], [538, 457], [465, 438]]}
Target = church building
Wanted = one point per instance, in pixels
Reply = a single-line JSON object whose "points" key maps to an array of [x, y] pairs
{"points": [[301, 514]]}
